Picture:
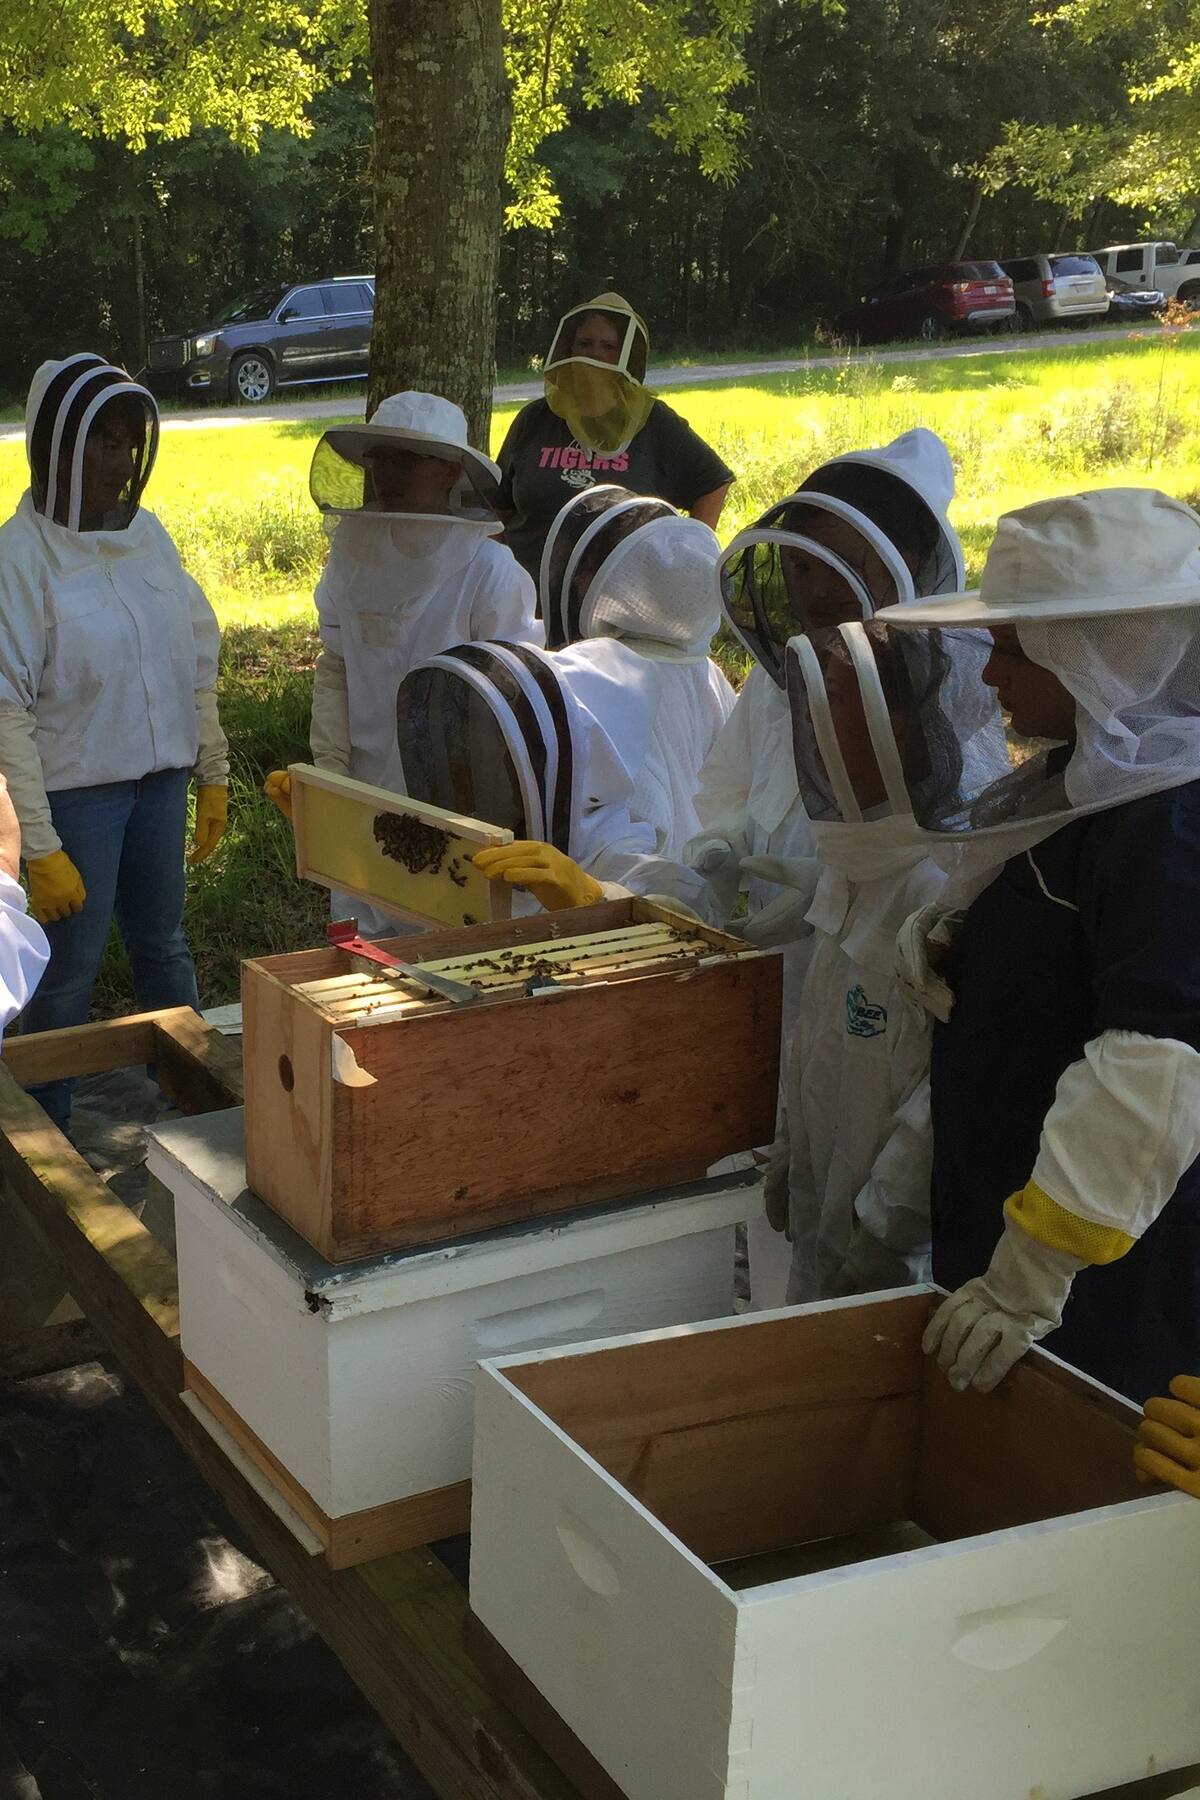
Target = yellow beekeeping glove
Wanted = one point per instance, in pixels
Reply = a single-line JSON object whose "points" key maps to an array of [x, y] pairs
{"points": [[1168, 1446], [278, 789], [55, 887], [212, 816], [552, 878]]}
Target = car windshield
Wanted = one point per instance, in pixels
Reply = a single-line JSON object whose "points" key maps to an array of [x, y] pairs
{"points": [[257, 305]]}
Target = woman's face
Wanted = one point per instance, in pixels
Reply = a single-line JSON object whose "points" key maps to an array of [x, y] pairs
{"points": [[110, 459], [1035, 699], [597, 338], [408, 481], [821, 597]]}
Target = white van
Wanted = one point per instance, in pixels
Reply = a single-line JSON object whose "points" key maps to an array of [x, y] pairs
{"points": [[1064, 285]]}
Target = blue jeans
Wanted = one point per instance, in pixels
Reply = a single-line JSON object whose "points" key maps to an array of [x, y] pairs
{"points": [[126, 838]]}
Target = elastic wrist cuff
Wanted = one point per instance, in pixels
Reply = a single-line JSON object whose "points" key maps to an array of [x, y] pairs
{"points": [[1050, 1224]]}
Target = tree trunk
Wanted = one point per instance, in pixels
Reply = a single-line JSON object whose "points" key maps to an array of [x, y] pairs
{"points": [[441, 127], [964, 236]]}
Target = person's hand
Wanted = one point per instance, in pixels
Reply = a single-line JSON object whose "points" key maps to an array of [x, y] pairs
{"points": [[981, 1331], [783, 919], [871, 1267], [10, 834], [212, 816], [55, 887], [552, 878], [717, 856], [278, 789], [1168, 1447], [921, 946]]}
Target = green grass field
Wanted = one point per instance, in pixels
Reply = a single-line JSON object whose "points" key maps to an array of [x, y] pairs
{"points": [[1019, 426]]}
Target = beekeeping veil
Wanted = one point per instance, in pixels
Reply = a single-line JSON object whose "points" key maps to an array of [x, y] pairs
{"points": [[1104, 591], [618, 564], [346, 477], [604, 403], [859, 535], [548, 746], [73, 408]]}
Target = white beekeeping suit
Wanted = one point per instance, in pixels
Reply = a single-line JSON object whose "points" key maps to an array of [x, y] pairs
{"points": [[857, 1099], [401, 585], [623, 566], [547, 746], [863, 531]]}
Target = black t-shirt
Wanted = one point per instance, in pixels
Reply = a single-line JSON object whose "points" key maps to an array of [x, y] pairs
{"points": [[544, 467]]}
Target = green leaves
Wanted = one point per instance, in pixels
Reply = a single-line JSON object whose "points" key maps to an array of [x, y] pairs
{"points": [[690, 59], [122, 69]]}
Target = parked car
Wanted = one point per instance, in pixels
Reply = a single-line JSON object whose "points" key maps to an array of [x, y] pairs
{"points": [[1160, 266], [1132, 304], [1050, 289], [931, 301], [276, 337]]}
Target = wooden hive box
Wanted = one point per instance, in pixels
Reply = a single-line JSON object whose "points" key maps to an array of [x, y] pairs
{"points": [[778, 1556], [376, 1120], [349, 1390]]}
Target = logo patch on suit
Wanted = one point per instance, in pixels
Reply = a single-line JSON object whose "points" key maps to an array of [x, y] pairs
{"points": [[863, 1018]]}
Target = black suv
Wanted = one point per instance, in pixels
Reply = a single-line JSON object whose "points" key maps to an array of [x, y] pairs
{"points": [[276, 337]]}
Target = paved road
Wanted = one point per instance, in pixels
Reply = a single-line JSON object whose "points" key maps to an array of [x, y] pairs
{"points": [[299, 411]]}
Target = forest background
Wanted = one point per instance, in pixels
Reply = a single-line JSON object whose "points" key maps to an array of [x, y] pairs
{"points": [[740, 168]]}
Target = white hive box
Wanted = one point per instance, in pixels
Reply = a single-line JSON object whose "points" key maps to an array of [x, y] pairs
{"points": [[980, 1603], [351, 1387]]}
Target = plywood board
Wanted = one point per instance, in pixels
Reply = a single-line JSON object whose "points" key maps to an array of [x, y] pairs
{"points": [[349, 835]]}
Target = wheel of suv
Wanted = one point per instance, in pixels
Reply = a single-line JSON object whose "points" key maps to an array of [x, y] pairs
{"points": [[251, 379], [1023, 319], [930, 328]]}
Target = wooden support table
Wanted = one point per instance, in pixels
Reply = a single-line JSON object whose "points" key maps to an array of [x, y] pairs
{"points": [[397, 1624]]}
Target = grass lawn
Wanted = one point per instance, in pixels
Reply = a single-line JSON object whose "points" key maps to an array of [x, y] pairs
{"points": [[1020, 427]]}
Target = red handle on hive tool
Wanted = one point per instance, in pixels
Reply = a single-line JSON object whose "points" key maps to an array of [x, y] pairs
{"points": [[343, 935]]}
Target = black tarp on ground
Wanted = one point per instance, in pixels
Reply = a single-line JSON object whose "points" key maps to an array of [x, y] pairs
{"points": [[144, 1653]]}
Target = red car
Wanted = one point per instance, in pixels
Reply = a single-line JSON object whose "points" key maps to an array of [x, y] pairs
{"points": [[931, 302]]}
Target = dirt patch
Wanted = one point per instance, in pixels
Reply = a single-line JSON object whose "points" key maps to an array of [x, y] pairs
{"points": [[418, 847]]}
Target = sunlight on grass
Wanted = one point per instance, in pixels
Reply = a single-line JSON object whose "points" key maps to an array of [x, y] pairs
{"points": [[1020, 427]]}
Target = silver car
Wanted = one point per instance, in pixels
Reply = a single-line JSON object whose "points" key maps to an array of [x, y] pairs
{"points": [[1065, 285]]}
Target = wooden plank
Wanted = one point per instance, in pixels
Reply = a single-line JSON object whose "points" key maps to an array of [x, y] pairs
{"points": [[538, 1716], [358, 1537], [197, 1065], [128, 1291], [1045, 1443], [334, 819], [396, 1624], [81, 1049]]}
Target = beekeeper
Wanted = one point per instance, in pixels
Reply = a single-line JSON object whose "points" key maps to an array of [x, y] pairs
{"points": [[1066, 1078], [598, 422], [620, 566], [414, 567], [748, 801], [862, 531], [108, 710], [548, 747], [850, 1171]]}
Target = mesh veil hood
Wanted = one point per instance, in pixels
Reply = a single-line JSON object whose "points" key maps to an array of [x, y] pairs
{"points": [[66, 402]]}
